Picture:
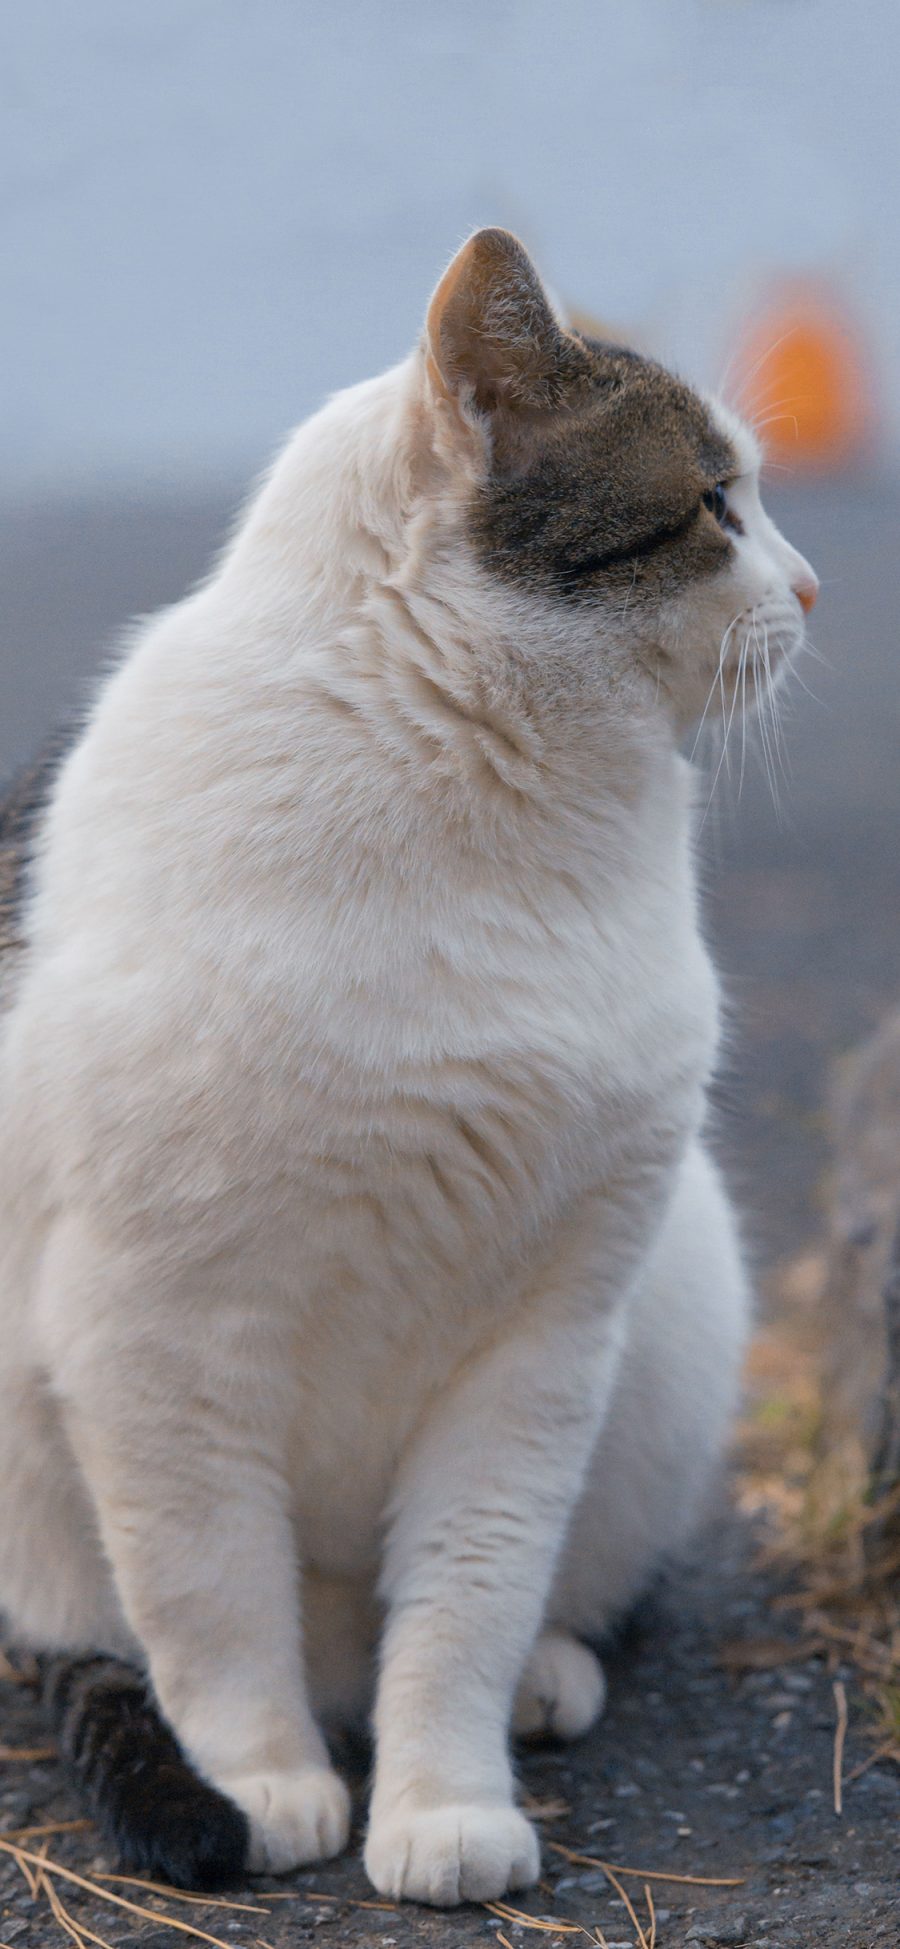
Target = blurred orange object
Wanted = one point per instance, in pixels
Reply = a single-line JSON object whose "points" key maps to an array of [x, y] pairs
{"points": [[800, 375]]}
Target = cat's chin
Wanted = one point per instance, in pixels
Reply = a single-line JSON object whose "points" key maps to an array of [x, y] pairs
{"points": [[757, 670]]}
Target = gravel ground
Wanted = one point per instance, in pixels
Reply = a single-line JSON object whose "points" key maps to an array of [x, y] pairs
{"points": [[692, 1771]]}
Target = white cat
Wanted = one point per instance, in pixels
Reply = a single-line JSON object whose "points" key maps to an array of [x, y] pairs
{"points": [[360, 1260]]}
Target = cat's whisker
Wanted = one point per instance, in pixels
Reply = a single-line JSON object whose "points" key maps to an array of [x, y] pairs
{"points": [[768, 697], [804, 686], [818, 656], [724, 702], [765, 746], [770, 709], [793, 674], [723, 651], [755, 666], [764, 404], [766, 353], [734, 700], [775, 709], [760, 744], [772, 419], [742, 675], [726, 725], [712, 789]]}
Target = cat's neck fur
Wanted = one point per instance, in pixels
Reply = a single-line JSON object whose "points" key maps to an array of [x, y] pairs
{"points": [[351, 555]]}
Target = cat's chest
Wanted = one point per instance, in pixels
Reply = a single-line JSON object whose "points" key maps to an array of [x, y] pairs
{"points": [[446, 1169], [452, 1092], [571, 1012]]}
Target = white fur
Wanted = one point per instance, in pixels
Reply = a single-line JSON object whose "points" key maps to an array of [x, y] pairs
{"points": [[355, 1228]]}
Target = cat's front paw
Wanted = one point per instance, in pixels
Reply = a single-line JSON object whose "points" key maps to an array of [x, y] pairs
{"points": [[453, 1854], [562, 1689], [295, 1818]]}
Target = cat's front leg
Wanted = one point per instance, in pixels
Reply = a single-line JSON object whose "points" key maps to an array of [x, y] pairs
{"points": [[480, 1514], [175, 1400]]}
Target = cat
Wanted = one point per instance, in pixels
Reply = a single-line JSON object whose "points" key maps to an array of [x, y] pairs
{"points": [[361, 1258]]}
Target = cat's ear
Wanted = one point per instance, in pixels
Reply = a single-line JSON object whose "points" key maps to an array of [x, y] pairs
{"points": [[493, 343]]}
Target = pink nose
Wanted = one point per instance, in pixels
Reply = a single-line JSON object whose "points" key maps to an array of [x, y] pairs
{"points": [[806, 591]]}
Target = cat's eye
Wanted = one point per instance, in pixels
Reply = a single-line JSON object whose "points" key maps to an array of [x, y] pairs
{"points": [[716, 500]]}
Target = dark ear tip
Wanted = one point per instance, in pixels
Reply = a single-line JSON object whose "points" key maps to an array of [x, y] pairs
{"points": [[498, 246], [493, 237], [492, 338]]}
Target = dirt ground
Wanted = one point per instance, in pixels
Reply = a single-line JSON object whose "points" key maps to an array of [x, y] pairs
{"points": [[694, 1771]]}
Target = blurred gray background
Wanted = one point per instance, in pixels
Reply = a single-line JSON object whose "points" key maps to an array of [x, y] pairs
{"points": [[213, 213]]}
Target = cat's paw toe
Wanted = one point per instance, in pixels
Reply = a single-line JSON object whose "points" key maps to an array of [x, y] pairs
{"points": [[562, 1690], [446, 1855], [295, 1817]]}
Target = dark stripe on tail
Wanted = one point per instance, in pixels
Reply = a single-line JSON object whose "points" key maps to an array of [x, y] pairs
{"points": [[158, 1815]]}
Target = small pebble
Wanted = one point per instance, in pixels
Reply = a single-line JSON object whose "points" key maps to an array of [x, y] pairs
{"points": [[18, 1805], [725, 1932], [152, 1939]]}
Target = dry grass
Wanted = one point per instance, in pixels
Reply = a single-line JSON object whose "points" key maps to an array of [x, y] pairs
{"points": [[42, 1874], [835, 1548]]}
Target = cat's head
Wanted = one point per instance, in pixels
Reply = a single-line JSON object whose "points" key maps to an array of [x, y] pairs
{"points": [[602, 495]]}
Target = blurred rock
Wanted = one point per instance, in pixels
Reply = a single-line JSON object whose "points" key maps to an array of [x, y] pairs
{"points": [[862, 1285]]}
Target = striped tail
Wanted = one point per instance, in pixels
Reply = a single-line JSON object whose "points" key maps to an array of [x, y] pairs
{"points": [[161, 1818]]}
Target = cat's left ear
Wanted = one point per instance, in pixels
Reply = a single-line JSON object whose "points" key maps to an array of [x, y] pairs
{"points": [[493, 344]]}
